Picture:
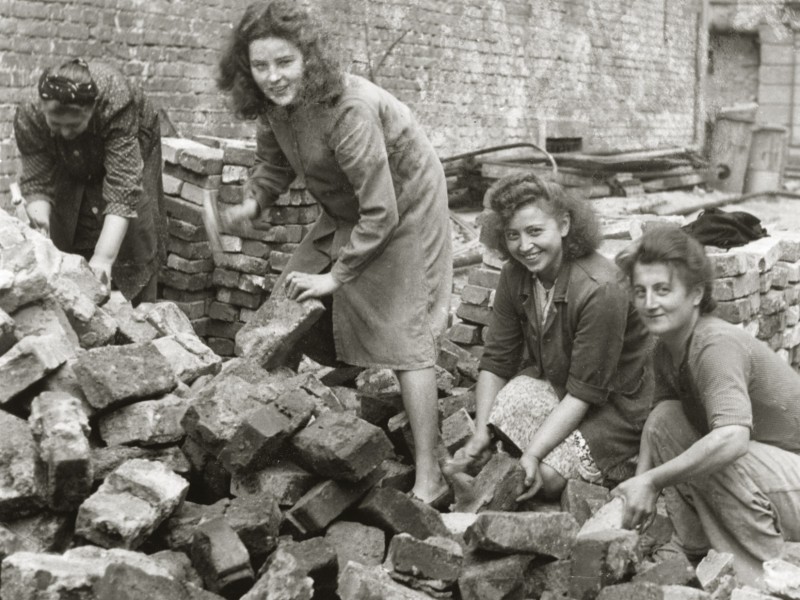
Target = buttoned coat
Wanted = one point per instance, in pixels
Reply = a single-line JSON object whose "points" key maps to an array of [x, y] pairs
{"points": [[384, 230]]}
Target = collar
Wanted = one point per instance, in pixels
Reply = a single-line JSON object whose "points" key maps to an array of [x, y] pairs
{"points": [[560, 286]]}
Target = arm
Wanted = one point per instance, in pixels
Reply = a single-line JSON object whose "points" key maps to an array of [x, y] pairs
{"points": [[729, 414], [564, 419], [38, 166], [360, 150], [108, 245], [714, 451]]}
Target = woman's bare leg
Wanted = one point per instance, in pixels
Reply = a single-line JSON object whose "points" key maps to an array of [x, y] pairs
{"points": [[420, 399]]}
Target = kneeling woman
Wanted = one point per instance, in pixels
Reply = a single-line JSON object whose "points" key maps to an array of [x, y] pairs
{"points": [[578, 409], [722, 441]]}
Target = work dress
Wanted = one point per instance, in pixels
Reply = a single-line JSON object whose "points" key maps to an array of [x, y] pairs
{"points": [[384, 229], [114, 167]]}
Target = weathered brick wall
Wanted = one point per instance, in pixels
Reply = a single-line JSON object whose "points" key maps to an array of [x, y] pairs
{"points": [[619, 73], [733, 70]]}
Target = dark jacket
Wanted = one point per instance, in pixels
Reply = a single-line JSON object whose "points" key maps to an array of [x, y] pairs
{"points": [[593, 346]]}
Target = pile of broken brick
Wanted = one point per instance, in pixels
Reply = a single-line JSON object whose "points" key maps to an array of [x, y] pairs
{"points": [[135, 464]]}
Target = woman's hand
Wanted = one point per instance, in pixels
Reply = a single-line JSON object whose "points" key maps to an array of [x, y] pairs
{"points": [[39, 215], [302, 286], [235, 219], [101, 267], [476, 446], [533, 476], [640, 496]]}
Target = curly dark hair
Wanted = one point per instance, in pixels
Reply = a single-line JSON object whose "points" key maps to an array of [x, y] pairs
{"points": [[683, 254], [286, 19], [512, 192]]}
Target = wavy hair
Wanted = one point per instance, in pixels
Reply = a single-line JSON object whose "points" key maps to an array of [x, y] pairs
{"points": [[682, 253], [512, 192], [286, 19]]}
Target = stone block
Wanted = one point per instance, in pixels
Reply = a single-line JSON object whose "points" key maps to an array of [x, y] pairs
{"points": [[457, 429], [326, 501], [29, 361], [148, 423], [240, 298], [748, 593], [739, 310], [436, 557], [602, 558], [28, 265], [188, 356], [223, 312], [43, 532], [581, 498], [549, 577], [201, 159], [731, 264], [396, 512], [789, 244], [716, 574], [315, 557], [20, 494], [496, 487], [480, 315], [177, 531], [285, 481], [477, 295], [790, 270], [181, 210], [185, 281], [457, 523], [256, 520], [782, 578], [608, 516], [460, 399], [341, 446], [285, 579], [396, 475], [45, 318], [772, 302], [243, 263], [739, 286], [359, 582], [60, 430], [187, 232], [497, 578], [465, 333], [35, 576], [673, 571], [130, 504], [132, 327], [7, 332], [178, 263], [189, 250], [108, 458], [356, 542], [115, 375], [550, 534], [488, 278], [221, 558], [651, 591], [770, 326], [270, 335], [126, 582], [264, 432]]}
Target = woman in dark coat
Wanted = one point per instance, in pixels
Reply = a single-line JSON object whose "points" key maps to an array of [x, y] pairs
{"points": [[381, 246], [578, 408], [91, 172]]}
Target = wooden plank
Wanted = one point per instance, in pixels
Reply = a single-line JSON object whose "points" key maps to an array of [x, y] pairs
{"points": [[671, 183]]}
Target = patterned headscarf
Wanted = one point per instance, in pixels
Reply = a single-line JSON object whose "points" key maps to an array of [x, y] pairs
{"points": [[66, 91]]}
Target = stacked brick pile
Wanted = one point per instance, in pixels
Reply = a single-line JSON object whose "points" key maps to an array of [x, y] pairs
{"points": [[285, 484], [220, 294], [756, 286]]}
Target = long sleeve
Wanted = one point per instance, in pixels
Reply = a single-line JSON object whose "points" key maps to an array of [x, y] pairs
{"points": [[360, 150], [122, 184], [37, 152], [271, 174], [504, 336], [598, 342]]}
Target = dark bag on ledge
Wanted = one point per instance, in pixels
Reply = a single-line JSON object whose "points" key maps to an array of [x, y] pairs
{"points": [[715, 227]]}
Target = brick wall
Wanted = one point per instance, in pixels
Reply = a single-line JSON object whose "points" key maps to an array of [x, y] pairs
{"points": [[733, 70], [619, 73]]}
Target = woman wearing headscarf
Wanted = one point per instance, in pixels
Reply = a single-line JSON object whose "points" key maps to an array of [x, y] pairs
{"points": [[90, 149]]}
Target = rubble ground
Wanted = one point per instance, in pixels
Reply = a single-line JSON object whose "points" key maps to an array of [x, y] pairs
{"points": [[136, 463]]}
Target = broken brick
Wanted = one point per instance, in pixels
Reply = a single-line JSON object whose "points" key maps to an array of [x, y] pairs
{"points": [[436, 557], [579, 498], [29, 361], [60, 429], [20, 494], [551, 534], [341, 446], [148, 423], [275, 328], [221, 558], [356, 542], [359, 582], [116, 375], [397, 512], [602, 558]]}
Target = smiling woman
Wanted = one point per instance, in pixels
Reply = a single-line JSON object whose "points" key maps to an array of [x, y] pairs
{"points": [[578, 408], [380, 252], [722, 440]]}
